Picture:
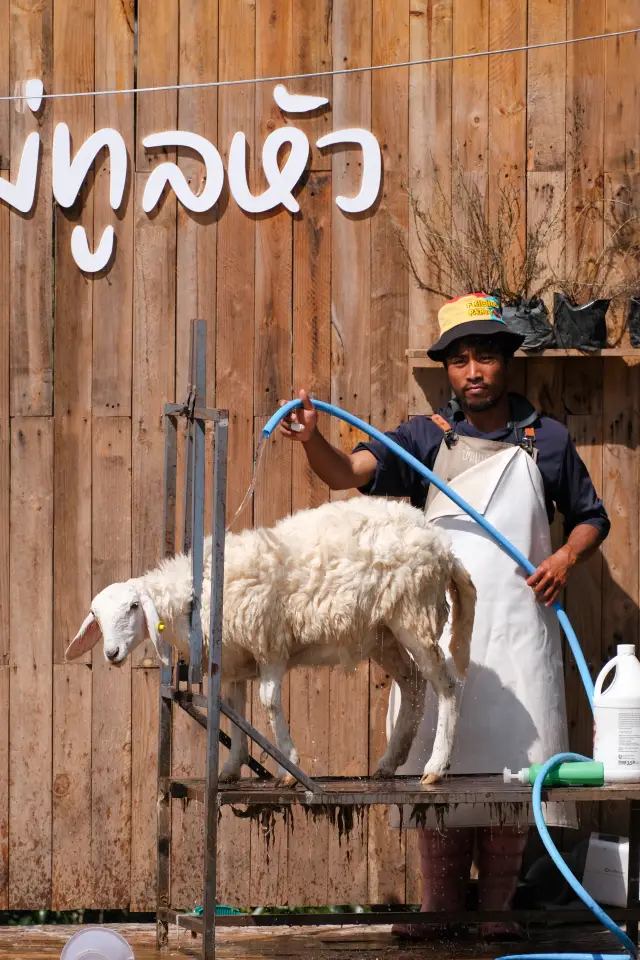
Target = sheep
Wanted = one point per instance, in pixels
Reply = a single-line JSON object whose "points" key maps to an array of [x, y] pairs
{"points": [[335, 585]]}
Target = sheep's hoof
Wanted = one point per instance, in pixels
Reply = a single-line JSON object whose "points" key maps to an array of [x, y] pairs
{"points": [[286, 780], [383, 773], [431, 778], [229, 775]]}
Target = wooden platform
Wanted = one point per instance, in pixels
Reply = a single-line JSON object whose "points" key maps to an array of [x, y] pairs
{"points": [[366, 791], [321, 943]]}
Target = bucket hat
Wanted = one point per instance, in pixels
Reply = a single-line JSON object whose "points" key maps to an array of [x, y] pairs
{"points": [[474, 314]]}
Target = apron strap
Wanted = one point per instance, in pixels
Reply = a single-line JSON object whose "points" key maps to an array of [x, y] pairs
{"points": [[449, 436]]}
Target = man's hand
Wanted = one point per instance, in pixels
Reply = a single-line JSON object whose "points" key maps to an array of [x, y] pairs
{"points": [[301, 422], [551, 576]]}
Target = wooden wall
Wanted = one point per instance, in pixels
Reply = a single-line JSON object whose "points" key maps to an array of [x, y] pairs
{"points": [[319, 300]]}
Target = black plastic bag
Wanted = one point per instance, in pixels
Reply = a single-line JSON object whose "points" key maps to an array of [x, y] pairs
{"points": [[580, 327], [530, 318], [633, 321]]}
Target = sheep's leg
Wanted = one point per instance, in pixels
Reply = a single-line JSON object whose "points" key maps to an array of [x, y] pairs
{"points": [[390, 656], [431, 663], [239, 753], [271, 676]]}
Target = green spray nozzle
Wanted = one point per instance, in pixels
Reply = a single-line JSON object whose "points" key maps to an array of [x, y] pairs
{"points": [[588, 773]]}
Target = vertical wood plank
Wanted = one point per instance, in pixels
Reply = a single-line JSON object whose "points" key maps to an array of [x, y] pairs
{"points": [[430, 118], [4, 85], [113, 289], [583, 399], [269, 844], [31, 55], [389, 341], [620, 587], [470, 106], [144, 764], [153, 380], [197, 233], [309, 689], [4, 787], [274, 233], [5, 559], [351, 237], [622, 89], [507, 111], [73, 69], [546, 85], [311, 53], [31, 656], [157, 65], [71, 868], [235, 353], [111, 719]]}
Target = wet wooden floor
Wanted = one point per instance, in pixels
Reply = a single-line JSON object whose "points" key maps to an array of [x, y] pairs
{"points": [[320, 943]]}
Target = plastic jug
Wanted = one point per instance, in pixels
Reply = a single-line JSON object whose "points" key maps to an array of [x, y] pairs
{"points": [[617, 717]]}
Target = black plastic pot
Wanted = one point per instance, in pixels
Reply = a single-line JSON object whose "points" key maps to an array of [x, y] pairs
{"points": [[633, 321], [580, 327], [530, 318]]}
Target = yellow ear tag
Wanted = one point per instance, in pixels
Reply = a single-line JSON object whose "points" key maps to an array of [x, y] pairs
{"points": [[160, 626]]}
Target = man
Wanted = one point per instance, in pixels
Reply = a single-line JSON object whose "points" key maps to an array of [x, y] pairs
{"points": [[515, 467]]}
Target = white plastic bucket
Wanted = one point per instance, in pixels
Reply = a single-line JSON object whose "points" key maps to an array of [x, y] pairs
{"points": [[96, 943]]}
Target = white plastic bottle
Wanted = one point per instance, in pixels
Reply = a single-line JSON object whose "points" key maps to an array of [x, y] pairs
{"points": [[617, 717]]}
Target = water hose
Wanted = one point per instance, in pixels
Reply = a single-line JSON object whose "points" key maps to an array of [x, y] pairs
{"points": [[570, 634]]}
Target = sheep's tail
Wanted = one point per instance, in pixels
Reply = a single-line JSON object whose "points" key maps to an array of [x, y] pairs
{"points": [[463, 608]]}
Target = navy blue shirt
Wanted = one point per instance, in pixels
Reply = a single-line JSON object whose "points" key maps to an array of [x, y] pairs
{"points": [[567, 484]]}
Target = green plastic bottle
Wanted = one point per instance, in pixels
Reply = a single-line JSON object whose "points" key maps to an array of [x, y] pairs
{"points": [[581, 773]]}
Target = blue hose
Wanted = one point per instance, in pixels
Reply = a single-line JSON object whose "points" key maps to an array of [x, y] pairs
{"points": [[576, 649]]}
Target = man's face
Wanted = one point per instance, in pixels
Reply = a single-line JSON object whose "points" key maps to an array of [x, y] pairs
{"points": [[477, 373]]}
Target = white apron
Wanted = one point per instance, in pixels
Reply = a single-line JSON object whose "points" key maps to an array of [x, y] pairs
{"points": [[512, 703]]}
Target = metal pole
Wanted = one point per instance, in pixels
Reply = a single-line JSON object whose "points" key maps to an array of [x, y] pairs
{"points": [[213, 688], [197, 437], [163, 889]]}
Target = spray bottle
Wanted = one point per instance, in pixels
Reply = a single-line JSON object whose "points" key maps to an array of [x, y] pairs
{"points": [[617, 717]]}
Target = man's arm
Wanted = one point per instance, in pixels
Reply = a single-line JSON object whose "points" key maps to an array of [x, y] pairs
{"points": [[552, 574], [340, 471]]}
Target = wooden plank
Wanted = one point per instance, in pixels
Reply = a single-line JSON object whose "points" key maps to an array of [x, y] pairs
{"points": [[187, 819], [31, 264], [311, 53], [470, 117], [113, 289], [4, 788], [584, 590], [621, 203], [389, 340], [546, 83], [545, 202], [622, 89], [31, 655], [430, 117], [144, 764], [5, 123], [111, 718], [270, 838], [351, 237], [73, 69], [308, 841], [585, 132], [157, 65], [71, 868], [197, 233], [235, 355], [507, 108], [620, 585], [153, 381], [274, 232], [4, 432]]}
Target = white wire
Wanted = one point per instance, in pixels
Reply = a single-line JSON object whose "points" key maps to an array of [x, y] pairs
{"points": [[326, 73]]}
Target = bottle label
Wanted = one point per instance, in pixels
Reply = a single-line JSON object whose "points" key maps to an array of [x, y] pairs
{"points": [[617, 737]]}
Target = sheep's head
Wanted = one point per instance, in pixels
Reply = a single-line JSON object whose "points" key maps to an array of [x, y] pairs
{"points": [[124, 614]]}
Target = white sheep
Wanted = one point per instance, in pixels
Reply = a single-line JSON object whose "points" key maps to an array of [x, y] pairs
{"points": [[350, 580]]}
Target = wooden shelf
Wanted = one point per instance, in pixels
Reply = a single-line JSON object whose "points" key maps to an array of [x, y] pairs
{"points": [[419, 358]]}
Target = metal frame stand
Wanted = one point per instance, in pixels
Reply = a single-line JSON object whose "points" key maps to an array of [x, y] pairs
{"points": [[321, 794]]}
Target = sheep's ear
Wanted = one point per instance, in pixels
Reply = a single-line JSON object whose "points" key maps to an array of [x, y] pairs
{"points": [[85, 639], [152, 619]]}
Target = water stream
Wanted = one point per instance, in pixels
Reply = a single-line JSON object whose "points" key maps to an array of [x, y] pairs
{"points": [[246, 500]]}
